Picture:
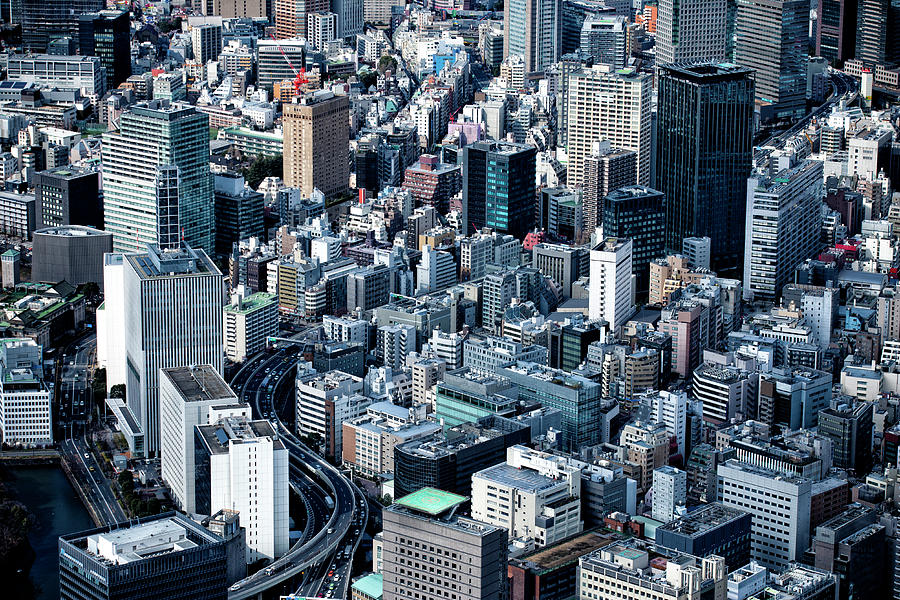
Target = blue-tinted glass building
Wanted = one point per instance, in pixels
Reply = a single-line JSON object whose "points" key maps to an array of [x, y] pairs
{"points": [[703, 155], [498, 187]]}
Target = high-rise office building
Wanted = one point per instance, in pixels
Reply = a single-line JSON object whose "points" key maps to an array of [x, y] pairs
{"points": [[779, 506], [173, 318], [290, 16], [25, 411], [573, 14], [611, 104], [422, 529], [73, 253], [241, 465], [836, 32], [316, 144], [605, 170], [68, 196], [275, 57], [498, 187], [878, 32], [691, 31], [611, 286], [639, 214], [350, 15], [703, 155], [236, 9], [107, 35], [604, 39], [532, 31], [165, 557], [249, 321], [157, 160], [771, 38], [46, 20], [185, 396], [783, 226], [206, 40]]}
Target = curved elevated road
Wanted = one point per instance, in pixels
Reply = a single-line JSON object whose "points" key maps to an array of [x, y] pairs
{"points": [[258, 383]]}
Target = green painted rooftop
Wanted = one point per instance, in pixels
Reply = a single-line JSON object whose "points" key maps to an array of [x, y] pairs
{"points": [[252, 302], [431, 501], [370, 585]]}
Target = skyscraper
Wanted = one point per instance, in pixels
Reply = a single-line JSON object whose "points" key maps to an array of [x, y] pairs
{"points": [[173, 318], [783, 226], [316, 144], [498, 187], [691, 30], [46, 20], [349, 17], [703, 155], [290, 16], [604, 39], [771, 39], [878, 27], [532, 31], [107, 34], [638, 213], [836, 33], [158, 141], [610, 104]]}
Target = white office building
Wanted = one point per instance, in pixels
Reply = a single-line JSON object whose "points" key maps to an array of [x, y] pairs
{"points": [[343, 329], [611, 104], [779, 505], [669, 492], [321, 28], [111, 321], [436, 271], [244, 467], [670, 409], [610, 296], [448, 347], [248, 322], [173, 318], [783, 226], [25, 414], [531, 495], [324, 402], [186, 395]]}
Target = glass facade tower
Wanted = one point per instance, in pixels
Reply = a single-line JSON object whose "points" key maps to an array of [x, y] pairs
{"points": [[703, 155]]}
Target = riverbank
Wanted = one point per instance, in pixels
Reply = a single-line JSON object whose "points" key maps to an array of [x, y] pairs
{"points": [[48, 494]]}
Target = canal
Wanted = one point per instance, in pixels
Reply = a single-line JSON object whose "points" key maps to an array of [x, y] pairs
{"points": [[53, 501]]}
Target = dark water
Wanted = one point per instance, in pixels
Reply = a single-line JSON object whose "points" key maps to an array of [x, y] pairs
{"points": [[50, 496]]}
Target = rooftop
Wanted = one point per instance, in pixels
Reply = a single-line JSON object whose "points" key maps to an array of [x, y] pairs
{"points": [[200, 383], [526, 480], [702, 520], [566, 552], [371, 585], [431, 501]]}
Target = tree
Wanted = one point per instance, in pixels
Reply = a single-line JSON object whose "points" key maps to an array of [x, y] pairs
{"points": [[171, 25], [262, 167], [118, 391], [387, 63], [368, 78]]}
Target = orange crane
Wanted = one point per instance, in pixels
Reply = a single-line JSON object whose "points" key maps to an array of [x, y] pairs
{"points": [[300, 76]]}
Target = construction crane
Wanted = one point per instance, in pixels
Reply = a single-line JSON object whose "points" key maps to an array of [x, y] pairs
{"points": [[299, 76]]}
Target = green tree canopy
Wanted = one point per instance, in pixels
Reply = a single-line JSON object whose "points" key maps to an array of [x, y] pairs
{"points": [[262, 167]]}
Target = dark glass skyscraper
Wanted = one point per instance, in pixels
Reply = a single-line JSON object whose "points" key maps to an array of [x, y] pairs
{"points": [[704, 154], [639, 213], [498, 187], [836, 34], [107, 35], [45, 20]]}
